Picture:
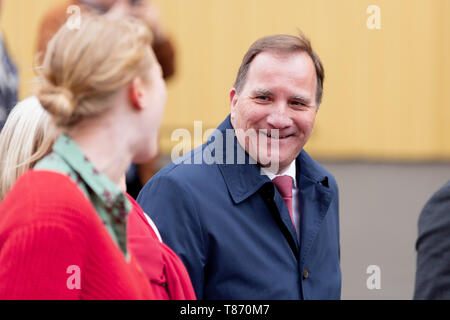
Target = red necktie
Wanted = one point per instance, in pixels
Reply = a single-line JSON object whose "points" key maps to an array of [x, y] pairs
{"points": [[284, 185]]}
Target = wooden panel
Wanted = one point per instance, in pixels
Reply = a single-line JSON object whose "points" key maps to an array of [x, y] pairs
{"points": [[385, 94], [386, 91]]}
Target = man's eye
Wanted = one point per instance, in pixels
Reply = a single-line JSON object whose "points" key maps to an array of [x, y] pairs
{"points": [[298, 103], [262, 98]]}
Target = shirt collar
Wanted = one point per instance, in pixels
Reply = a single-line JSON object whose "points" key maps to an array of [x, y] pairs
{"points": [[111, 203], [101, 185], [290, 171]]}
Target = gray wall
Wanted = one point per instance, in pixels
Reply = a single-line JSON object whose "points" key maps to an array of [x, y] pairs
{"points": [[379, 209]]}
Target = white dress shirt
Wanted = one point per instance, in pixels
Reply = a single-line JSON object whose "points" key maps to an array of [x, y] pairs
{"points": [[153, 225], [290, 171]]}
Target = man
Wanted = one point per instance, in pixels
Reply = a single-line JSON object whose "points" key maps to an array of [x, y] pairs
{"points": [[433, 248], [267, 228]]}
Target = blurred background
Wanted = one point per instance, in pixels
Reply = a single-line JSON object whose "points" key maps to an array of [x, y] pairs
{"points": [[383, 128]]}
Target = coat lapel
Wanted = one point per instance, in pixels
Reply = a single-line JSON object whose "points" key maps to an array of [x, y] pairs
{"points": [[315, 198], [286, 220], [243, 180]]}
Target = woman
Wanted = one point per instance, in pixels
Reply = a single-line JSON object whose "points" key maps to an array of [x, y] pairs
{"points": [[162, 46], [63, 226]]}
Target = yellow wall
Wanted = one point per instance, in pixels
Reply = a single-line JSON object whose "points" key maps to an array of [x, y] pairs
{"points": [[20, 20], [387, 91]]}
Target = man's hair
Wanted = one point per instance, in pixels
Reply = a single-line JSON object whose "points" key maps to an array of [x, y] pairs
{"points": [[281, 43]]}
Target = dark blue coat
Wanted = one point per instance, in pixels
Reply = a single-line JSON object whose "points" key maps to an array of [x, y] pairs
{"points": [[232, 229], [433, 248]]}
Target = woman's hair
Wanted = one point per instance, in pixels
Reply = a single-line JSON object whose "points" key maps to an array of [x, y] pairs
{"points": [[26, 138], [84, 66]]}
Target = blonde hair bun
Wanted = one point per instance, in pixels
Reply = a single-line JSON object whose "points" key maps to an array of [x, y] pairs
{"points": [[58, 101], [83, 68]]}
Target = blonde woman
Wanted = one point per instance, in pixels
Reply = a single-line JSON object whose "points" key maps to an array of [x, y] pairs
{"points": [[63, 225], [26, 138]]}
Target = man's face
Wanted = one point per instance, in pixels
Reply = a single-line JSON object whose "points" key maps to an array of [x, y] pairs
{"points": [[279, 93]]}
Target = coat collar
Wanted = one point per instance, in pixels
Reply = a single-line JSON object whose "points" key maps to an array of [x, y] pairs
{"points": [[244, 180], [310, 169], [291, 171]]}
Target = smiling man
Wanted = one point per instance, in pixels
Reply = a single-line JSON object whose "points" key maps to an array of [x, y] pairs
{"points": [[267, 228]]}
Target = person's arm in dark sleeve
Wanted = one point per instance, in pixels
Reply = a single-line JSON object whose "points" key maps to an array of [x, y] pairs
{"points": [[149, 12], [171, 207], [165, 54], [433, 248]]}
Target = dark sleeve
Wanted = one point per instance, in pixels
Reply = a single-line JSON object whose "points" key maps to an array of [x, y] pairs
{"points": [[433, 248], [338, 228], [48, 28], [171, 207], [165, 54]]}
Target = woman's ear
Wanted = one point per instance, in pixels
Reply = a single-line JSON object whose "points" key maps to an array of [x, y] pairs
{"points": [[136, 93]]}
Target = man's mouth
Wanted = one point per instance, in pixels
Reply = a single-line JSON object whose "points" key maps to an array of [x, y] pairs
{"points": [[276, 136]]}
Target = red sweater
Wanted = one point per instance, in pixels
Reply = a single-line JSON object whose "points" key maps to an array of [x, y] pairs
{"points": [[53, 245]]}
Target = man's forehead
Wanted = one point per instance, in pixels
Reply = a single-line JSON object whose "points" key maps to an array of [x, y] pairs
{"points": [[270, 69], [297, 64], [280, 56]]}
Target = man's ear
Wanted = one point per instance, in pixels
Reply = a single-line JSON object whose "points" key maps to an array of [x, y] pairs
{"points": [[136, 93], [233, 99], [233, 102]]}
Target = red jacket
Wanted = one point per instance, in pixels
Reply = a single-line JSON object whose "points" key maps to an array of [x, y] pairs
{"points": [[165, 270]]}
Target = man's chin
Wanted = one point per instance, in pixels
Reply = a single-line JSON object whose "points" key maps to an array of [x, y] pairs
{"points": [[274, 166], [270, 165]]}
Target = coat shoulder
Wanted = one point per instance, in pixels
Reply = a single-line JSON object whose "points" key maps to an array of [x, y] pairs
{"points": [[435, 212], [188, 168]]}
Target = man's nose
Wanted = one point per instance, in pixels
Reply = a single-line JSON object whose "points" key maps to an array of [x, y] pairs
{"points": [[278, 118]]}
